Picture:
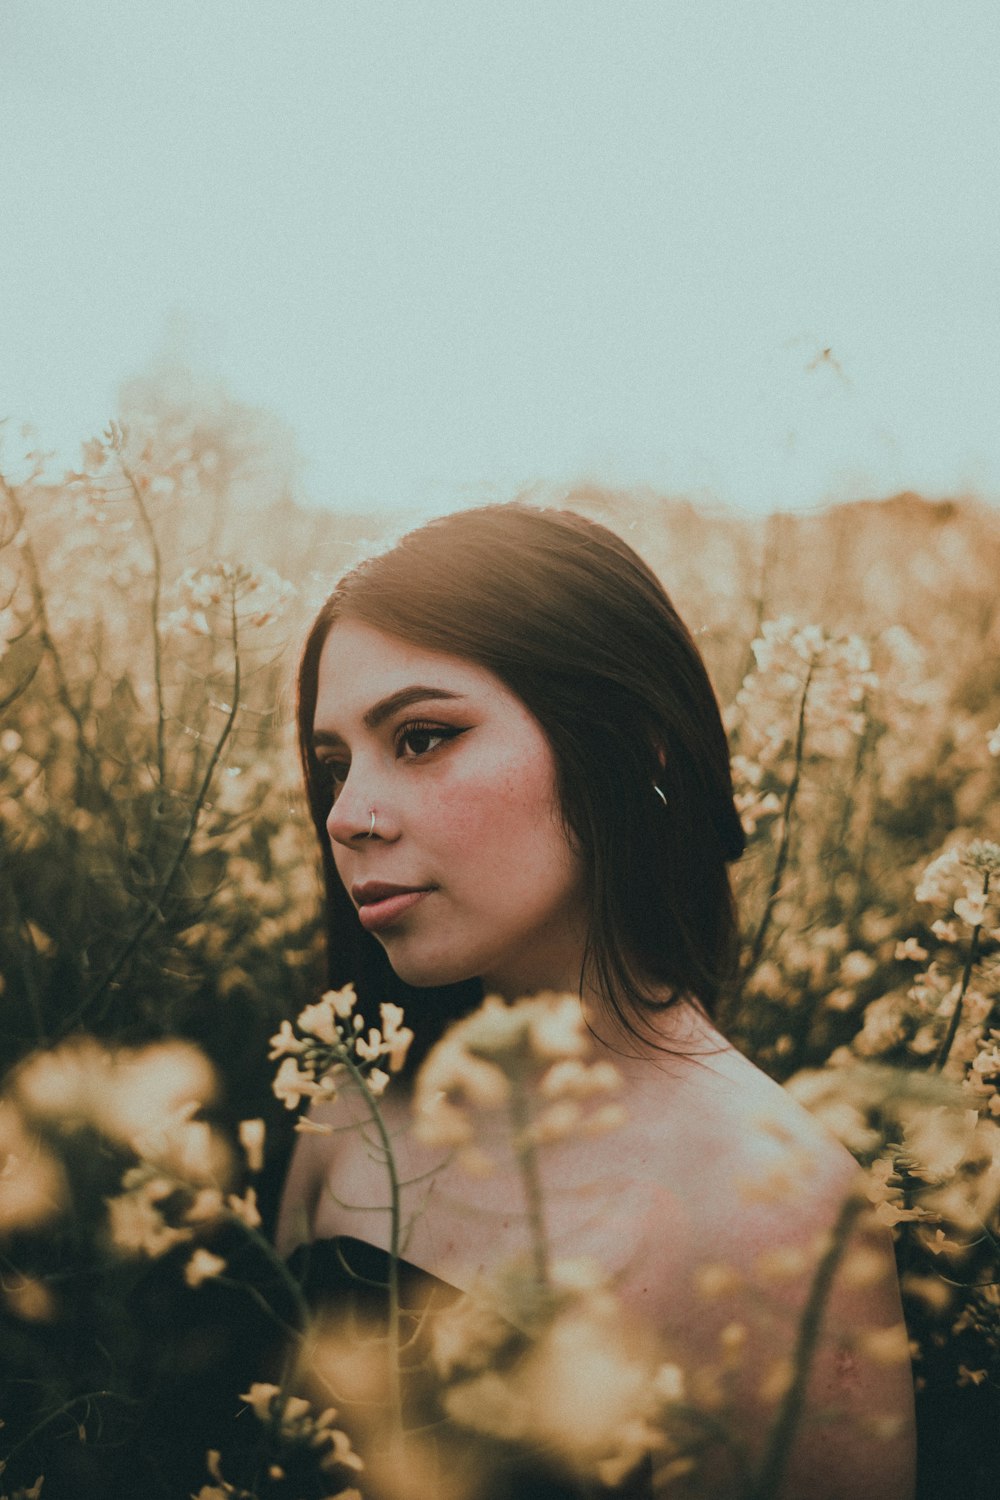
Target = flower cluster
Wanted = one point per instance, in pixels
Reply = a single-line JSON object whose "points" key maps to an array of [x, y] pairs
{"points": [[328, 1043], [559, 1373], [259, 594], [964, 879], [537, 1047], [295, 1432], [930, 1159], [146, 1104], [796, 666]]}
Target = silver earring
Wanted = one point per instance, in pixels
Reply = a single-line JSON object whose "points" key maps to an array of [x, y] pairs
{"points": [[659, 793]]}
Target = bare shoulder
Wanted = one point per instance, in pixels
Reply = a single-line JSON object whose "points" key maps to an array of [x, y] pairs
{"points": [[769, 1234], [724, 1136], [322, 1132]]}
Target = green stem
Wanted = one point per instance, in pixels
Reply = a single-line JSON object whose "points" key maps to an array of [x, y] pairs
{"points": [[154, 549], [772, 1467], [61, 1411], [970, 963], [85, 751], [276, 1263], [395, 1223], [22, 949], [155, 907], [527, 1161], [757, 946]]}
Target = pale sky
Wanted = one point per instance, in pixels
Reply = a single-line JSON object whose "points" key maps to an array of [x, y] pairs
{"points": [[464, 247]]}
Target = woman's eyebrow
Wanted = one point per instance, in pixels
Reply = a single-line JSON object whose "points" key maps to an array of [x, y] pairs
{"points": [[379, 712]]}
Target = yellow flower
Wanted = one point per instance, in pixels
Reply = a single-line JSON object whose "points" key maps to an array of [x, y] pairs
{"points": [[260, 1398], [320, 1021], [285, 1042], [202, 1265], [557, 1027], [343, 1001], [397, 1036], [251, 1136], [32, 1181], [137, 1225], [291, 1083], [377, 1081], [245, 1208]]}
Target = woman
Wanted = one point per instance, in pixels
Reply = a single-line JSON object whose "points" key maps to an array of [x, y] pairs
{"points": [[520, 782]]}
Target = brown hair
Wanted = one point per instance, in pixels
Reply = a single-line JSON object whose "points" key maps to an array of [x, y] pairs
{"points": [[574, 623]]}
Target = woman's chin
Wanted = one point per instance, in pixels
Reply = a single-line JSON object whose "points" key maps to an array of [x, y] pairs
{"points": [[425, 972]]}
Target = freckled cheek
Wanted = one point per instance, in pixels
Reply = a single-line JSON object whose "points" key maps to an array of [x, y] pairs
{"points": [[507, 815], [495, 805]]}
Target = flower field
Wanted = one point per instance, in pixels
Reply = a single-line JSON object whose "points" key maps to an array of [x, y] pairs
{"points": [[162, 970]]}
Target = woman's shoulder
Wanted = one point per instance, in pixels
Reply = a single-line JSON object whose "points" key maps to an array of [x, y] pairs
{"points": [[725, 1157], [323, 1130], [710, 1105]]}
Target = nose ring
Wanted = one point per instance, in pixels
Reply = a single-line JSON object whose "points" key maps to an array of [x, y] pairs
{"points": [[371, 832]]}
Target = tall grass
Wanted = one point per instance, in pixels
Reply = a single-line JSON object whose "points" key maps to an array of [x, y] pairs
{"points": [[158, 890]]}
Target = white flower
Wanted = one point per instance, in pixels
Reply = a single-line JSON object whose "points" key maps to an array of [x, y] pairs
{"points": [[377, 1082], [972, 908], [557, 1027], [245, 1208], [939, 878], [372, 1048], [910, 949], [290, 1083], [320, 1021], [285, 1041], [202, 1265], [260, 1398], [251, 1136], [137, 1225], [571, 1079], [343, 1001], [397, 1036]]}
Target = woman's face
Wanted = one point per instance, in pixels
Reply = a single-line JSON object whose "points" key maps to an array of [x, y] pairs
{"points": [[463, 785]]}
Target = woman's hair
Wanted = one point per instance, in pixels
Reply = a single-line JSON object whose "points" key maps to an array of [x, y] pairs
{"points": [[574, 623]]}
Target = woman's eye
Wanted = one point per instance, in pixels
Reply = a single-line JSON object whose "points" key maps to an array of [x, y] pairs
{"points": [[419, 739]]}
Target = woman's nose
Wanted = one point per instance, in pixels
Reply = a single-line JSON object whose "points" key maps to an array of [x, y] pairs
{"points": [[353, 815]]}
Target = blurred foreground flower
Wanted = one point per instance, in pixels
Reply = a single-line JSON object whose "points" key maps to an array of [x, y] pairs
{"points": [[33, 1188], [930, 1159], [965, 879], [529, 1058], [146, 1104], [560, 1374]]}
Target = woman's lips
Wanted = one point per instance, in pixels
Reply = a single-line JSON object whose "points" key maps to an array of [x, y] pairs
{"points": [[374, 915]]}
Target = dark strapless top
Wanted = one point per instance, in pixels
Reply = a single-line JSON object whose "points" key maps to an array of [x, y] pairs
{"points": [[347, 1278]]}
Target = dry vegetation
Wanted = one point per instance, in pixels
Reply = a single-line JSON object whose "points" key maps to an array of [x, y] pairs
{"points": [[159, 921]]}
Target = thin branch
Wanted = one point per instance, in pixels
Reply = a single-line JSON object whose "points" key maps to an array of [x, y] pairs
{"points": [[22, 687], [970, 963], [757, 946], [46, 637], [154, 550], [61, 1411], [155, 907], [780, 1440]]}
